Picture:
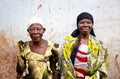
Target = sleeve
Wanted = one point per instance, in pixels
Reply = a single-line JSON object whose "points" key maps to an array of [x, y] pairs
{"points": [[20, 59], [103, 69], [100, 66], [98, 60], [101, 63], [55, 61], [68, 70]]}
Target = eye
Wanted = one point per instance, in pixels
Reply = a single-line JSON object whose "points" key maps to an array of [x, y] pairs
{"points": [[39, 29], [81, 22], [89, 22], [31, 29]]}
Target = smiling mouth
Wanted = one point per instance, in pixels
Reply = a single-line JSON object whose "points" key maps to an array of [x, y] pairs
{"points": [[85, 29], [36, 35]]}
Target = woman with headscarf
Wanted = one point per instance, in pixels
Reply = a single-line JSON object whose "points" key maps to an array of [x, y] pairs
{"points": [[37, 58], [84, 56]]}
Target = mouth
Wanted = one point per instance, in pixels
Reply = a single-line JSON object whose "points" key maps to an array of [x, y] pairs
{"points": [[85, 30], [36, 35]]}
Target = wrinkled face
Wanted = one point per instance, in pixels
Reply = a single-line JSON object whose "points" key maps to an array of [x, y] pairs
{"points": [[85, 26], [36, 32]]}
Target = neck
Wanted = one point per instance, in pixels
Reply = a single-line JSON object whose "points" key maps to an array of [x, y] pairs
{"points": [[84, 36], [37, 43], [84, 39]]}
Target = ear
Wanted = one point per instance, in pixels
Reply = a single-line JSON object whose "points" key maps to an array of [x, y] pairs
{"points": [[44, 30], [27, 30]]}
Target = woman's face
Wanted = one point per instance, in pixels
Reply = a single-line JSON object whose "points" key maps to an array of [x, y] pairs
{"points": [[85, 26], [36, 32]]}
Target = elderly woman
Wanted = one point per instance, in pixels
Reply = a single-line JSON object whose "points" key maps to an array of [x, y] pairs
{"points": [[84, 56], [38, 58]]}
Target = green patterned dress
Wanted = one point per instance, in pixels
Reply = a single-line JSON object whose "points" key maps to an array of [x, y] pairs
{"points": [[35, 66]]}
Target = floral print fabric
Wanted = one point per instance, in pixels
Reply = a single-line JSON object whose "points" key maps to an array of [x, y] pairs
{"points": [[97, 63]]}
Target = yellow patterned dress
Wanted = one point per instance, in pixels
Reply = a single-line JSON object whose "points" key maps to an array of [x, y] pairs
{"points": [[97, 58], [35, 66]]}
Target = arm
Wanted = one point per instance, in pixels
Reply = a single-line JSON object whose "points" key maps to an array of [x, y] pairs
{"points": [[98, 61], [20, 61], [103, 69], [55, 61], [18, 75], [68, 69]]}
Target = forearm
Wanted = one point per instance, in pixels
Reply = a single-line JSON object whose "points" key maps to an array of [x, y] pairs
{"points": [[56, 75], [18, 76]]}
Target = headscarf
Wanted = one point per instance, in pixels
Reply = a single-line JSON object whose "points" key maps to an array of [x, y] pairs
{"points": [[80, 17], [35, 19]]}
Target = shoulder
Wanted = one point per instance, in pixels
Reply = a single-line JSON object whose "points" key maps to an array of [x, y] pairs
{"points": [[70, 39], [55, 49], [22, 44], [53, 44], [97, 41]]}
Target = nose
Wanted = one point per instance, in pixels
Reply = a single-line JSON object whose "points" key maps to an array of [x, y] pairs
{"points": [[85, 24], [35, 31]]}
